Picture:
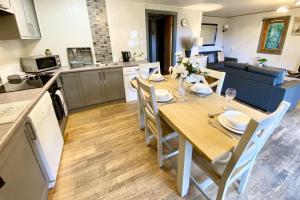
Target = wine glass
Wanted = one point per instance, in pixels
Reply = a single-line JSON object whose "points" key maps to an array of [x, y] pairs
{"points": [[230, 94]]}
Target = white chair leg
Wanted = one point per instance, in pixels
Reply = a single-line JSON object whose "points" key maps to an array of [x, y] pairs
{"points": [[147, 136], [222, 191], [159, 153], [244, 178]]}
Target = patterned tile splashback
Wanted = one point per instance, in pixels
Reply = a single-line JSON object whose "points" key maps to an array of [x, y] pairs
{"points": [[100, 30]]}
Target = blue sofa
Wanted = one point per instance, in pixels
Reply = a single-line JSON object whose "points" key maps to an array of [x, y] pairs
{"points": [[261, 87]]}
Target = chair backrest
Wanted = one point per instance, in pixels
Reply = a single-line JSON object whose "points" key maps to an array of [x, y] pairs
{"points": [[149, 68], [253, 140], [220, 76], [148, 101]]}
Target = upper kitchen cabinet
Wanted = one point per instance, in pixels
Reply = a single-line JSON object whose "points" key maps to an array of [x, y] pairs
{"points": [[6, 7], [21, 25]]}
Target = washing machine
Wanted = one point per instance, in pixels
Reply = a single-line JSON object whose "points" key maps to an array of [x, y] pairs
{"points": [[129, 74]]}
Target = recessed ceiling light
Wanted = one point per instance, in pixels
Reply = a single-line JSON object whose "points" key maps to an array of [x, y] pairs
{"points": [[205, 7], [298, 3], [283, 9]]}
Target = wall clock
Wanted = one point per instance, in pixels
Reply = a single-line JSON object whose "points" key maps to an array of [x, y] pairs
{"points": [[184, 22]]}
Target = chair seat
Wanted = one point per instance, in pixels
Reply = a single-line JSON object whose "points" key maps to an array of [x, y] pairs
{"points": [[216, 169], [166, 130]]}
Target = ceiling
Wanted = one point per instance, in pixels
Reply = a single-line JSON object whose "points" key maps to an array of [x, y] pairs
{"points": [[226, 8]]}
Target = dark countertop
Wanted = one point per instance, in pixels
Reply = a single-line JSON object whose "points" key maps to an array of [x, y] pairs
{"points": [[34, 95]]}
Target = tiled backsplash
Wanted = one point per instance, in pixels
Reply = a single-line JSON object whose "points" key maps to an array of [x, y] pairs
{"points": [[100, 30]]}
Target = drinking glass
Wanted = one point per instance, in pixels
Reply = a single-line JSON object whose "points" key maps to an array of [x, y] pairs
{"points": [[230, 94]]}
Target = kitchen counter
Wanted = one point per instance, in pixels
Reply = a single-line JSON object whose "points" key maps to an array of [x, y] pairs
{"points": [[68, 69], [34, 95]]}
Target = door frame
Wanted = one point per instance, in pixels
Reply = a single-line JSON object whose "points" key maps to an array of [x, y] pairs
{"points": [[174, 31]]}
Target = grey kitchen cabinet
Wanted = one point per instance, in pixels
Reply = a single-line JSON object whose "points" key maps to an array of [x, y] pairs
{"points": [[20, 173], [114, 85], [73, 90], [93, 88], [23, 24]]}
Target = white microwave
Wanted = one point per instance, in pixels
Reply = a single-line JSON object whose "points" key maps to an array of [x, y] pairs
{"points": [[40, 63]]}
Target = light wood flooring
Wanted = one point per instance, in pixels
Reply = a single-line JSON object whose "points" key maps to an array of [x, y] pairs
{"points": [[105, 157]]}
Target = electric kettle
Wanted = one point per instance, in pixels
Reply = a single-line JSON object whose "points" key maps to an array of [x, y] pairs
{"points": [[126, 56]]}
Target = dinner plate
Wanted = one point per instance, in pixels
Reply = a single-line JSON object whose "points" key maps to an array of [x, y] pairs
{"points": [[222, 121], [163, 95], [170, 98], [156, 79], [236, 119], [204, 90], [193, 89]]}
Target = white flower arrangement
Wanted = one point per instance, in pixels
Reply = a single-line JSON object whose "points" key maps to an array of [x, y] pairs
{"points": [[186, 67]]}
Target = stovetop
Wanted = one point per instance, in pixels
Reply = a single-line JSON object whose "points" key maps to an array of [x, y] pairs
{"points": [[31, 82]]}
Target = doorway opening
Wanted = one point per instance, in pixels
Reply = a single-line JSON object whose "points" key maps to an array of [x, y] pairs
{"points": [[161, 38]]}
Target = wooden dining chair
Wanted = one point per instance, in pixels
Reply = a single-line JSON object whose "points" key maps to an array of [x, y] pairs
{"points": [[149, 68], [242, 158], [155, 127], [216, 75]]}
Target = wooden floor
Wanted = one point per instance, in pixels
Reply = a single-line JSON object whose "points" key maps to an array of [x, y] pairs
{"points": [[105, 157]]}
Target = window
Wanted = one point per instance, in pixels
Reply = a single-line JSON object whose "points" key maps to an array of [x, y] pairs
{"points": [[209, 34]]}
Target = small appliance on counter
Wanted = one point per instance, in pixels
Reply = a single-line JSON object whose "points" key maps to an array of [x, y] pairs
{"points": [[16, 78], [126, 55], [24, 82], [35, 64], [80, 57]]}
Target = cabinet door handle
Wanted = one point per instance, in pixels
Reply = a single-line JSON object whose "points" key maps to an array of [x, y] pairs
{"points": [[2, 182], [30, 28], [31, 130], [100, 77], [62, 80]]}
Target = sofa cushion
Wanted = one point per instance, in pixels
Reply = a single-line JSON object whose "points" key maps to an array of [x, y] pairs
{"points": [[269, 80], [234, 65], [269, 71]]}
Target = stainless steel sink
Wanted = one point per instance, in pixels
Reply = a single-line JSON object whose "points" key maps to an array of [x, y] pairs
{"points": [[111, 64]]}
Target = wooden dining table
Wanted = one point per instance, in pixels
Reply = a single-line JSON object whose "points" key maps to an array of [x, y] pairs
{"points": [[188, 116]]}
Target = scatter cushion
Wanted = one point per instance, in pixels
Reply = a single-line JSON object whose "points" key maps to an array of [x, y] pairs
{"points": [[221, 57]]}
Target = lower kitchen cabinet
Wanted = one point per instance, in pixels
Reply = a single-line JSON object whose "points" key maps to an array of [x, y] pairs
{"points": [[91, 87], [73, 90], [20, 174], [114, 85]]}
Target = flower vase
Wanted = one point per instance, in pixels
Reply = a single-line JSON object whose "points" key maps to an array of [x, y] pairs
{"points": [[181, 89], [188, 53]]}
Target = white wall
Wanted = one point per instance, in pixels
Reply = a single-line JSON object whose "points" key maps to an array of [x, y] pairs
{"points": [[127, 25], [63, 24], [219, 40], [241, 40]]}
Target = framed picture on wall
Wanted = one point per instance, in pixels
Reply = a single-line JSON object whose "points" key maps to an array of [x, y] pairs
{"points": [[209, 34], [296, 27], [273, 35]]}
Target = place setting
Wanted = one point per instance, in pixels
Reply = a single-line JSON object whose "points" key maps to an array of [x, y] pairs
{"points": [[230, 120], [164, 96], [201, 89], [156, 77]]}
